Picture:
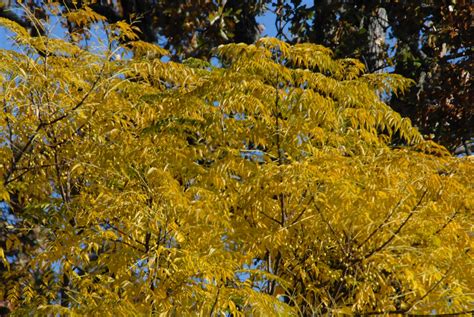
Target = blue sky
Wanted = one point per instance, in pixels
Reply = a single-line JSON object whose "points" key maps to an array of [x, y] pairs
{"points": [[4, 38], [268, 19]]}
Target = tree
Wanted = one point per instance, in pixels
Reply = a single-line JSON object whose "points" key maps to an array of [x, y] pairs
{"points": [[279, 183]]}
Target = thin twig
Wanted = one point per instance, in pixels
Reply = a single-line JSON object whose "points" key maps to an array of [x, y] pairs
{"points": [[387, 218], [405, 221]]}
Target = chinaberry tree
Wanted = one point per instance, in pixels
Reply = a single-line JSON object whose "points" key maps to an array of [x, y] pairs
{"points": [[276, 184]]}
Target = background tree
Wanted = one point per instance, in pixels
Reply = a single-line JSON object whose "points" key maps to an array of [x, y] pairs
{"points": [[429, 43], [268, 186], [187, 28]]}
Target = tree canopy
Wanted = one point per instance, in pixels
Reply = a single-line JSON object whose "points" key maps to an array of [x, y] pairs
{"points": [[278, 183], [429, 42]]}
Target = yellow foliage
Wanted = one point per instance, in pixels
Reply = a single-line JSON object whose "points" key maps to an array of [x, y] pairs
{"points": [[277, 184]]}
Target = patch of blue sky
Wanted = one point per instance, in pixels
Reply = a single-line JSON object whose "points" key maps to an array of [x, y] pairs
{"points": [[5, 39], [56, 266], [6, 214], [253, 155], [268, 20]]}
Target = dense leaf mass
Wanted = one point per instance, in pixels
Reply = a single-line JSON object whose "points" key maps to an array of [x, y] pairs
{"points": [[276, 184]]}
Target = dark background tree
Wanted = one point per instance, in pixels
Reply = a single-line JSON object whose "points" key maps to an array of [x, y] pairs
{"points": [[430, 43], [189, 28]]}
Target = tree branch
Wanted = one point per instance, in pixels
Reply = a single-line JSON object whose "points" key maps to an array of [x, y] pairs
{"points": [[383, 245]]}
